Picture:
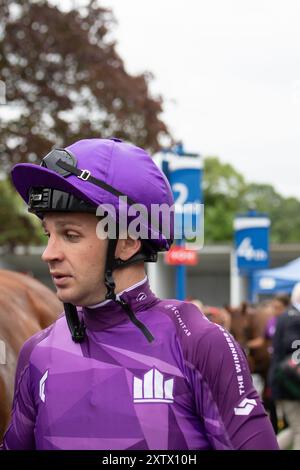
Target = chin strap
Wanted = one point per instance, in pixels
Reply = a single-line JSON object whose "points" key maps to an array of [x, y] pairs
{"points": [[77, 327], [109, 267], [134, 320], [113, 263]]}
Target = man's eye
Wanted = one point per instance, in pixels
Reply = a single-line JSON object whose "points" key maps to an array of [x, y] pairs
{"points": [[71, 236]]}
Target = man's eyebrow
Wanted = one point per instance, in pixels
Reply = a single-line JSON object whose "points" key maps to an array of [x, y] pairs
{"points": [[62, 223], [68, 222]]}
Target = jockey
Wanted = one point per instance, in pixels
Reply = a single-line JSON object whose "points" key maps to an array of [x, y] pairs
{"points": [[122, 369]]}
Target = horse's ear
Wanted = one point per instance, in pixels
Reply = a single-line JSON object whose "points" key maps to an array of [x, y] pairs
{"points": [[244, 307], [228, 308]]}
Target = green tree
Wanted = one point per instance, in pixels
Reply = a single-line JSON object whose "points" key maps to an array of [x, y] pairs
{"points": [[286, 221], [223, 189], [65, 81], [226, 193], [284, 212]]}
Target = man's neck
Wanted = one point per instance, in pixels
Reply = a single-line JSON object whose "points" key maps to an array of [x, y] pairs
{"points": [[124, 278], [129, 276]]}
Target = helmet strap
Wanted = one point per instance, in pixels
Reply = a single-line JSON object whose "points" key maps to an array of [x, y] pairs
{"points": [[113, 263], [76, 327], [109, 267]]}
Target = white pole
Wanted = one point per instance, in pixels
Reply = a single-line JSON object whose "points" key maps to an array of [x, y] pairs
{"points": [[236, 282]]}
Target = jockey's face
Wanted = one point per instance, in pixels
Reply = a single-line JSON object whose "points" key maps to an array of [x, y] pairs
{"points": [[76, 257]]}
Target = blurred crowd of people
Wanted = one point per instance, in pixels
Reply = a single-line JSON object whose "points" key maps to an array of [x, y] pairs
{"points": [[269, 333]]}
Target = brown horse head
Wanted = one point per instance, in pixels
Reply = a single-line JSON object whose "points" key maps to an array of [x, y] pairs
{"points": [[26, 307]]}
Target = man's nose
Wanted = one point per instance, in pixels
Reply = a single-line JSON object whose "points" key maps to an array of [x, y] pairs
{"points": [[53, 251]]}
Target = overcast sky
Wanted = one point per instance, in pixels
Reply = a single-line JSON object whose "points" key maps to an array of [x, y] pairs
{"points": [[229, 73]]}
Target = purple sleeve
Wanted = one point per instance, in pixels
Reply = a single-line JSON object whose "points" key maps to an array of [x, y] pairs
{"points": [[20, 432], [234, 415]]}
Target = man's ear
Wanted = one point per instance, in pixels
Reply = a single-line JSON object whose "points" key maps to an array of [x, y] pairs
{"points": [[126, 248]]}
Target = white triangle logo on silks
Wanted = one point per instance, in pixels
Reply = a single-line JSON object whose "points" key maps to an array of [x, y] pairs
{"points": [[42, 386], [245, 407]]}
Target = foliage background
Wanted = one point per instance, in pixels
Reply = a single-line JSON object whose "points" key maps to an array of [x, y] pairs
{"points": [[64, 82]]}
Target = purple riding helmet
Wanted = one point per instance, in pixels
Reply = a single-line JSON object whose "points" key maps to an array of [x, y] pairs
{"points": [[92, 173]]}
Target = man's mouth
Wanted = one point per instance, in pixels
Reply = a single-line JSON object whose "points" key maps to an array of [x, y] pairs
{"points": [[60, 279]]}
